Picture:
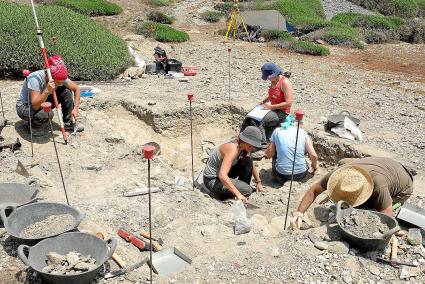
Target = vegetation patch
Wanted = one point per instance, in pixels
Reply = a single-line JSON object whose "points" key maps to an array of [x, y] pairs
{"points": [[270, 35], [212, 16], [160, 17], [161, 32], [413, 31], [160, 3], [305, 15], [401, 8], [311, 48], [100, 55], [341, 34], [92, 7]]}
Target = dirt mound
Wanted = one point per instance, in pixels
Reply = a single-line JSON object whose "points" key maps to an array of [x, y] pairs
{"points": [[51, 225]]}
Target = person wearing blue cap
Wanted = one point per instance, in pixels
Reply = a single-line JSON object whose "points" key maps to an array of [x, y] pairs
{"points": [[279, 99]]}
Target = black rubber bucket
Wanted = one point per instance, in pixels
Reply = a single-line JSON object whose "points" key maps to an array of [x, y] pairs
{"points": [[15, 194], [83, 243], [173, 65], [363, 243], [24, 216]]}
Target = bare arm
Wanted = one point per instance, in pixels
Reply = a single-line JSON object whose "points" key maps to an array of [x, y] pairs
{"points": [[311, 153], [37, 97], [388, 211], [229, 152], [271, 150], [310, 196], [77, 92]]}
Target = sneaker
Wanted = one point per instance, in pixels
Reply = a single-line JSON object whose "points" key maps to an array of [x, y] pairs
{"points": [[74, 128]]}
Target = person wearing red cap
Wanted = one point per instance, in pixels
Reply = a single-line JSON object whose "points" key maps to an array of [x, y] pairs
{"points": [[37, 89]]}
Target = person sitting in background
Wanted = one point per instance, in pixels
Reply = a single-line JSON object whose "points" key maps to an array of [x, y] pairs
{"points": [[38, 90], [372, 183], [160, 60], [229, 168], [281, 150], [279, 100]]}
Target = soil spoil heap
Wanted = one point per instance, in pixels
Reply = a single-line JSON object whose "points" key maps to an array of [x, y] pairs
{"points": [[52, 225], [70, 264], [364, 224]]}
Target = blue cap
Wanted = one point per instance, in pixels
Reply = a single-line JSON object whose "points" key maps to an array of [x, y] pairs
{"points": [[270, 69]]}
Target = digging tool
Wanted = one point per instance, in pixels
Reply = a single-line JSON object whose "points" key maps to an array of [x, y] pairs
{"points": [[125, 270], [20, 169], [12, 146], [47, 108], [2, 109], [190, 99], [26, 73], [394, 248], [298, 116], [135, 241], [49, 74], [118, 260], [396, 262], [148, 152], [155, 244], [3, 121], [141, 191]]}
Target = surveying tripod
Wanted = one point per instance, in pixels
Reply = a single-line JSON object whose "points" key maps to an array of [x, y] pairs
{"points": [[233, 22]]}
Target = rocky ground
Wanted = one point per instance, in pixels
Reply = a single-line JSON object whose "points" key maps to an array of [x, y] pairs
{"points": [[104, 161]]}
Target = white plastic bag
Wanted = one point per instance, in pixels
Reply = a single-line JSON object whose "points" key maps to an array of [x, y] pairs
{"points": [[342, 132], [354, 129], [238, 213]]}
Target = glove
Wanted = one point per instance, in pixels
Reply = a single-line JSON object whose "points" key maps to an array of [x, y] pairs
{"points": [[297, 219]]}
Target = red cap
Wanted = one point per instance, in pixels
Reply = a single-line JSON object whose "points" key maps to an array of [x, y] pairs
{"points": [[26, 72], [46, 106], [299, 115], [149, 151], [57, 68], [190, 97]]}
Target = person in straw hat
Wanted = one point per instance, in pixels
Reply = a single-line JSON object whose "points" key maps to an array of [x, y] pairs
{"points": [[373, 183], [229, 168]]}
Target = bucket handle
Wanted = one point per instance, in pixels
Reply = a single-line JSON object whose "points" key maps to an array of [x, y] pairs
{"points": [[22, 255], [112, 245], [391, 232], [80, 217], [338, 207], [3, 215]]}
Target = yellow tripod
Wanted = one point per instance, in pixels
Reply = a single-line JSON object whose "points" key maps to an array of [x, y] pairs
{"points": [[233, 23]]}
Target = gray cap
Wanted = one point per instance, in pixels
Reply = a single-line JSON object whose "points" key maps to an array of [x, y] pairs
{"points": [[252, 135]]}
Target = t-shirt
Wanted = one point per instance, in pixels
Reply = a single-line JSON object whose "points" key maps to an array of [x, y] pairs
{"points": [[213, 165], [276, 96], [284, 140], [36, 81], [391, 181]]}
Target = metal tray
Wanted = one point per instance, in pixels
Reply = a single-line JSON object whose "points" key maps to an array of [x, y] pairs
{"points": [[168, 261]]}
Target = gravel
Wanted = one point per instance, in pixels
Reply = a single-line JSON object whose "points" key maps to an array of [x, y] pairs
{"points": [[334, 7], [69, 264], [52, 225], [364, 224]]}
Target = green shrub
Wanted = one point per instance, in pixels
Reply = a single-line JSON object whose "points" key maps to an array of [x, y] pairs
{"points": [[160, 2], [375, 36], [160, 17], [340, 34], [212, 16], [90, 51], [92, 7], [378, 22], [401, 8], [413, 31], [305, 15], [224, 7], [306, 47], [346, 18], [275, 34], [421, 8], [161, 32]]}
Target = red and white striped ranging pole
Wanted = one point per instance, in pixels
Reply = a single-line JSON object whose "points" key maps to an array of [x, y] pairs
{"points": [[49, 74]]}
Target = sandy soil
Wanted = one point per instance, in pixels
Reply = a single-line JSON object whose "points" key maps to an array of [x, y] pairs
{"points": [[104, 161]]}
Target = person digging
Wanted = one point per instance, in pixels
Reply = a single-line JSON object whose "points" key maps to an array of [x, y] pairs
{"points": [[229, 168], [37, 89], [372, 183]]}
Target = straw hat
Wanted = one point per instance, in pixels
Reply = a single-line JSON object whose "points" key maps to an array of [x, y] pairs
{"points": [[350, 183]]}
